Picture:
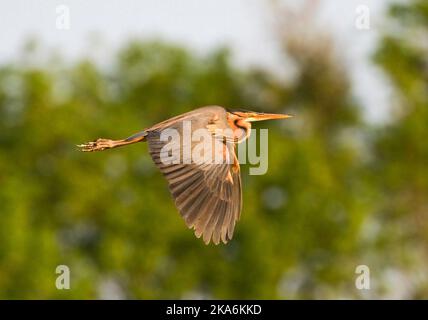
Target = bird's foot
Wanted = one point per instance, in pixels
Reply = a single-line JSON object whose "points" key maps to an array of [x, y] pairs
{"points": [[98, 145]]}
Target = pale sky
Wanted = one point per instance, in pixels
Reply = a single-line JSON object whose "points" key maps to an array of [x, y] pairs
{"points": [[243, 25]]}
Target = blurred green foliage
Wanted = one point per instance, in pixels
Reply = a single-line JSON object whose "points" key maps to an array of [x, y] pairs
{"points": [[401, 166], [338, 192]]}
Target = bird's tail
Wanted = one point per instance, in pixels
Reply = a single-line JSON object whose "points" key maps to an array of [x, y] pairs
{"points": [[137, 136]]}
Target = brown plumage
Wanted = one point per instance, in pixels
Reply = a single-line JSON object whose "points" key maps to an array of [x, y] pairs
{"points": [[207, 194]]}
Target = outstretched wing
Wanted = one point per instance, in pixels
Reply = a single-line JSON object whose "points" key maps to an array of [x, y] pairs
{"points": [[207, 194]]}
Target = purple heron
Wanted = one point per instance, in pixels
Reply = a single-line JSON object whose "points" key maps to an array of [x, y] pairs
{"points": [[207, 194]]}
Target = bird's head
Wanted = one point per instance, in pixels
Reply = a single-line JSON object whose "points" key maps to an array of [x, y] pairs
{"points": [[242, 120], [252, 116]]}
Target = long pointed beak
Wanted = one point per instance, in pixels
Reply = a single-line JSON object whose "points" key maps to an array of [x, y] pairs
{"points": [[267, 116]]}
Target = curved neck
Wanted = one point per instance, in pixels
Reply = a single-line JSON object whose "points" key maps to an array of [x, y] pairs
{"points": [[241, 128]]}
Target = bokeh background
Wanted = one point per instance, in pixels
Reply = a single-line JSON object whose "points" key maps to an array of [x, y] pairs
{"points": [[347, 183]]}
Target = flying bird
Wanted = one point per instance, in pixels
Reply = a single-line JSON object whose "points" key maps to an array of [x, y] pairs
{"points": [[207, 193]]}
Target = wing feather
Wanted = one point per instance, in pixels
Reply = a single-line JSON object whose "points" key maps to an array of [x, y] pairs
{"points": [[208, 199]]}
